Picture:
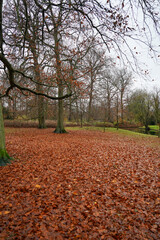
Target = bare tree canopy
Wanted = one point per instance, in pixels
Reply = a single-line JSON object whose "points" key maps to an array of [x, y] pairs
{"points": [[59, 30]]}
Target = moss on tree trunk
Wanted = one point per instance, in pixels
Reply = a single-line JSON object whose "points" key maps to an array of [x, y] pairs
{"points": [[60, 130], [4, 157]]}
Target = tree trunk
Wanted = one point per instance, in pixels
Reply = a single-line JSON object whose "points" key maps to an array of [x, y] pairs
{"points": [[4, 157], [14, 107], [70, 110], [105, 115], [77, 113], [41, 114], [90, 98], [146, 125], [147, 118], [81, 119], [70, 99], [122, 107], [146, 129], [39, 86], [108, 108], [60, 120], [159, 131], [117, 114]]}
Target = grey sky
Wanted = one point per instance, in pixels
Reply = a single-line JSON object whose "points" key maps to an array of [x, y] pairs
{"points": [[148, 61]]}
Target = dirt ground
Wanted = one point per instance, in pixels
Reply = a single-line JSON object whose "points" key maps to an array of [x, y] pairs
{"points": [[80, 185]]}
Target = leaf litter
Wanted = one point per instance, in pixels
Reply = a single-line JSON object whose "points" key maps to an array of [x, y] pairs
{"points": [[81, 185]]}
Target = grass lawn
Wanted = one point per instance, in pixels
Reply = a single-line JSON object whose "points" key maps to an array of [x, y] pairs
{"points": [[154, 127], [110, 129]]}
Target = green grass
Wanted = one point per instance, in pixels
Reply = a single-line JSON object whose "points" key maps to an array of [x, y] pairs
{"points": [[110, 129], [92, 128], [152, 127]]}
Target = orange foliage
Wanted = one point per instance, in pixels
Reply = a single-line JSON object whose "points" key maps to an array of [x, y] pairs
{"points": [[81, 185]]}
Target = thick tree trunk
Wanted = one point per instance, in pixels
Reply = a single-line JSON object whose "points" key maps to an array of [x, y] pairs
{"points": [[41, 113], [60, 120], [4, 157], [70, 99], [39, 87]]}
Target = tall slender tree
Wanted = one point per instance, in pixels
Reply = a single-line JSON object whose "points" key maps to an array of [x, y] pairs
{"points": [[123, 80], [94, 62]]}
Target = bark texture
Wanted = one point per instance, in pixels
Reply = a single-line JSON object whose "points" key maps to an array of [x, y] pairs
{"points": [[4, 157], [60, 118]]}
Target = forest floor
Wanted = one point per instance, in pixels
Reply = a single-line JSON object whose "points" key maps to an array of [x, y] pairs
{"points": [[80, 185]]}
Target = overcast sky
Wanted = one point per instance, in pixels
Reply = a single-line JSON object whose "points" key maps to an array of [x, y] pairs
{"points": [[147, 61]]}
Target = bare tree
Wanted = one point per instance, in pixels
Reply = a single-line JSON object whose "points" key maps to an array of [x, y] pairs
{"points": [[110, 21], [108, 91], [94, 62], [123, 80]]}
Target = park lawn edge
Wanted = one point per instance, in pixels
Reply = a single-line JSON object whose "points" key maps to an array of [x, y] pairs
{"points": [[113, 130]]}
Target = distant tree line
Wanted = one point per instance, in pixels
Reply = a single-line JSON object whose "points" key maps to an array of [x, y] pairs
{"points": [[107, 96]]}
